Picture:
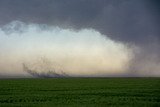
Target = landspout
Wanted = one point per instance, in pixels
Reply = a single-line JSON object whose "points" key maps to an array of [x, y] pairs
{"points": [[45, 74]]}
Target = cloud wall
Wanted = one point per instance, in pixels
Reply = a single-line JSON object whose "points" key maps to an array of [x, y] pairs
{"points": [[84, 52]]}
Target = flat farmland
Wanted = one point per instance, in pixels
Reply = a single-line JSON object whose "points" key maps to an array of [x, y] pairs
{"points": [[81, 92]]}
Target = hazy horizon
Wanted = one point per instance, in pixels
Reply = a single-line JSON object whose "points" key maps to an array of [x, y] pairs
{"points": [[85, 38]]}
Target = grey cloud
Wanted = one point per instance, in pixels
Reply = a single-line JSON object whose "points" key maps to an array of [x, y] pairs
{"points": [[129, 21], [124, 20]]}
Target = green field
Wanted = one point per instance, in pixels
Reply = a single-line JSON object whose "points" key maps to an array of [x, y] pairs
{"points": [[90, 92]]}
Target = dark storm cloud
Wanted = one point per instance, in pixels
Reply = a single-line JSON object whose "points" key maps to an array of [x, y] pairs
{"points": [[124, 20], [129, 21]]}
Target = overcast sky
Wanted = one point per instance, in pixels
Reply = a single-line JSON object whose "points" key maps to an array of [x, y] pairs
{"points": [[84, 37]]}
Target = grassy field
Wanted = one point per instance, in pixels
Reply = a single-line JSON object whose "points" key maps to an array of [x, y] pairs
{"points": [[90, 92]]}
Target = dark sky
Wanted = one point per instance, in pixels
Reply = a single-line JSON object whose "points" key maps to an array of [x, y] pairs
{"points": [[134, 22], [124, 20]]}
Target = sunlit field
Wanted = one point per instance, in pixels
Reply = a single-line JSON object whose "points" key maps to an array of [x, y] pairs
{"points": [[88, 92]]}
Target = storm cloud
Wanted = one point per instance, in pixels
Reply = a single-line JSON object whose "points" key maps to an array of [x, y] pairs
{"points": [[134, 23]]}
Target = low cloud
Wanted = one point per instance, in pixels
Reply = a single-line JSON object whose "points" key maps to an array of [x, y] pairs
{"points": [[43, 48]]}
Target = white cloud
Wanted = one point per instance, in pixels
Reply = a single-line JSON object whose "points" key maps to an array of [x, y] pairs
{"points": [[85, 52]]}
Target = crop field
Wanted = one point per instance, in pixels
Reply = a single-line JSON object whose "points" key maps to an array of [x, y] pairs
{"points": [[85, 92]]}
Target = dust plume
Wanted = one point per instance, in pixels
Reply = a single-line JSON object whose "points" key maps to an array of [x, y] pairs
{"points": [[84, 37], [47, 50]]}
